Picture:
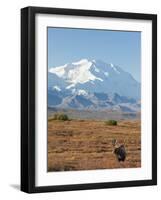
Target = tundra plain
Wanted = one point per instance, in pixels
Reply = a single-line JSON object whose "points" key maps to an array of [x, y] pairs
{"points": [[86, 144]]}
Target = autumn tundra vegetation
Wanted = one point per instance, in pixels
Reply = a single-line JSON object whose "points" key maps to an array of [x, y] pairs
{"points": [[86, 144]]}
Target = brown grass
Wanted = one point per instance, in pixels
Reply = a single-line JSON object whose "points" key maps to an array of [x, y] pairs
{"points": [[87, 144]]}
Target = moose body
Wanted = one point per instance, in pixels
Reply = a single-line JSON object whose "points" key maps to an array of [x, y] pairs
{"points": [[119, 151]]}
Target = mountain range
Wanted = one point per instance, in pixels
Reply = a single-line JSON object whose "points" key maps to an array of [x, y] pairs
{"points": [[93, 84]]}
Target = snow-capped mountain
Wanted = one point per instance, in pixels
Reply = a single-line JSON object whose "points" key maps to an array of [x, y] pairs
{"points": [[91, 84]]}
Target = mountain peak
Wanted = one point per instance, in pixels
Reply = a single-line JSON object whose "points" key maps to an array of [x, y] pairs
{"points": [[82, 61], [97, 76]]}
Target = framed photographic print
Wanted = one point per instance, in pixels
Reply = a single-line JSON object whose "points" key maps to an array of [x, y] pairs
{"points": [[88, 99]]}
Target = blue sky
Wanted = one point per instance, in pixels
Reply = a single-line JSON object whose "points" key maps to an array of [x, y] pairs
{"points": [[122, 48]]}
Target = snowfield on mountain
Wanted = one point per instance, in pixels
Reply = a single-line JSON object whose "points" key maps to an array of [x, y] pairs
{"points": [[92, 84]]}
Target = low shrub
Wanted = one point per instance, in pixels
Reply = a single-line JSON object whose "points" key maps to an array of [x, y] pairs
{"points": [[60, 116], [111, 122]]}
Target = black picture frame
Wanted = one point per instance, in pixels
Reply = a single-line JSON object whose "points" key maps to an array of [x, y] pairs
{"points": [[28, 98]]}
